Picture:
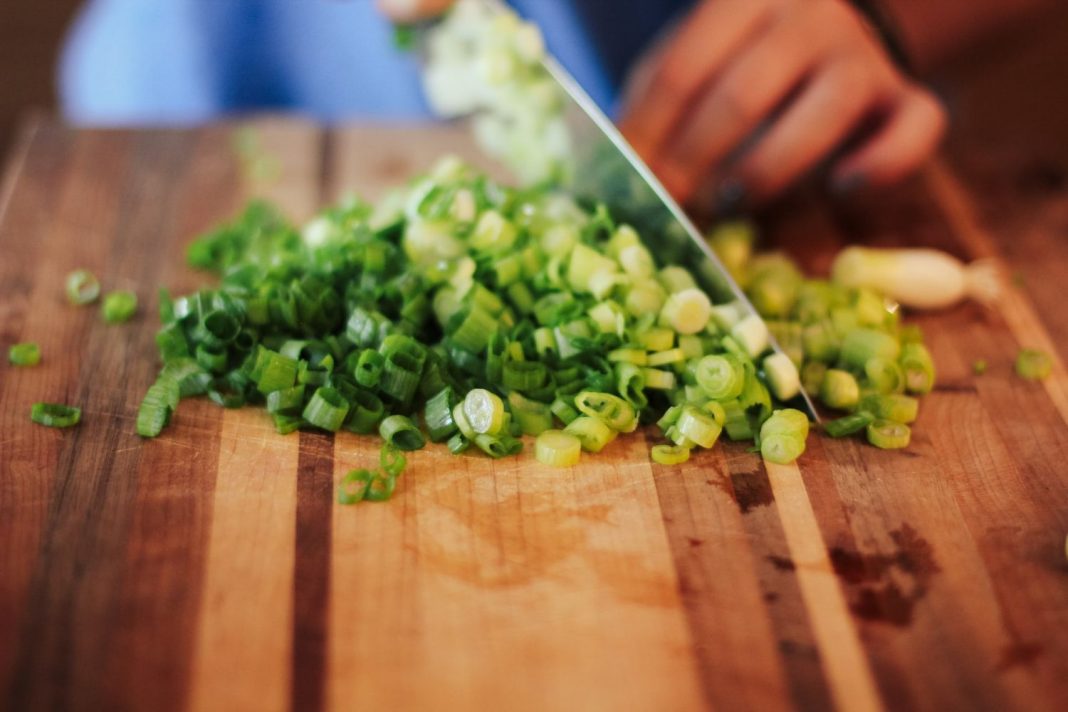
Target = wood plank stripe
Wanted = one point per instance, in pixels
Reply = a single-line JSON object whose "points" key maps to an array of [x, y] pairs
{"points": [[848, 672], [311, 570], [718, 570], [160, 595], [1020, 315], [25, 467], [74, 591], [244, 652]]}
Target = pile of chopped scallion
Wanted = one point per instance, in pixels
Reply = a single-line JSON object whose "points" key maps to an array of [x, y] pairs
{"points": [[464, 312]]}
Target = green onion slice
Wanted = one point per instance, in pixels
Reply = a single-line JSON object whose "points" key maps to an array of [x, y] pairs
{"points": [[82, 287], [55, 415], [25, 354]]}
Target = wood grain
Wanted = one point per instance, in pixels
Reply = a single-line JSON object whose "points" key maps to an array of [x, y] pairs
{"points": [[211, 569]]}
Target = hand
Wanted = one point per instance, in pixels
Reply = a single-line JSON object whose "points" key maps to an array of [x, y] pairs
{"points": [[783, 83], [412, 10]]}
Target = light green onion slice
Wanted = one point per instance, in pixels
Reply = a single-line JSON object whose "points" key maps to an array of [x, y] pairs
{"points": [[484, 411], [557, 448], [782, 376], [699, 427], [591, 432], [82, 287], [860, 345], [919, 368], [888, 435], [893, 406], [839, 389], [1033, 365], [669, 454], [783, 435]]}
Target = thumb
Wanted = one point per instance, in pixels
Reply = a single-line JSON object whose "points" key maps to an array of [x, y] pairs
{"points": [[412, 10]]}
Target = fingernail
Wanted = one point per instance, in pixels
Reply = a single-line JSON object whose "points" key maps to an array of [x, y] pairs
{"points": [[848, 184], [730, 196]]}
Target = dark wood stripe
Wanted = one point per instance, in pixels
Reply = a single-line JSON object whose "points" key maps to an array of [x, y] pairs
{"points": [[68, 627], [36, 166], [160, 595], [311, 570]]}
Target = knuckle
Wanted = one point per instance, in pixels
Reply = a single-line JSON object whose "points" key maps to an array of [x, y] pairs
{"points": [[737, 103]]}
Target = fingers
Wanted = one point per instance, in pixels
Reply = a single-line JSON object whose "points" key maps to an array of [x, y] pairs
{"points": [[412, 10], [820, 119], [740, 100], [908, 136], [707, 41]]}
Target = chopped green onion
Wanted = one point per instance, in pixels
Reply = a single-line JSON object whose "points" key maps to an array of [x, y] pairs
{"points": [[666, 358], [438, 415], [25, 354], [365, 412], [524, 375], [860, 345], [979, 367], [670, 454], [848, 425], [592, 432], [1033, 365], [533, 417], [615, 412], [812, 376], [381, 488], [752, 334], [839, 389], [157, 406], [919, 368], [499, 445], [888, 435], [119, 307], [658, 380], [783, 435], [893, 406], [687, 311], [557, 448], [55, 415], [720, 376], [392, 460], [400, 432], [698, 427], [353, 487], [82, 287], [884, 375], [368, 369], [782, 376], [484, 411], [275, 371], [657, 339], [326, 409]]}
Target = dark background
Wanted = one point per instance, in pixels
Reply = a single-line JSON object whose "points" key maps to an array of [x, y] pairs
{"points": [[1012, 91]]}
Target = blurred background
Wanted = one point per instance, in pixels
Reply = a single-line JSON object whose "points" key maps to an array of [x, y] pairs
{"points": [[1011, 91]]}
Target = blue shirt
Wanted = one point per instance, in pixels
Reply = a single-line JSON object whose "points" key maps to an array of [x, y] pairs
{"points": [[187, 61]]}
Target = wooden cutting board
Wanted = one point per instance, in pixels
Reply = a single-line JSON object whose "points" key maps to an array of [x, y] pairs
{"points": [[211, 569]]}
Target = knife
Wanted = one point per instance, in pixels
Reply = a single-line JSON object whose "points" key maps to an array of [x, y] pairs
{"points": [[606, 169]]}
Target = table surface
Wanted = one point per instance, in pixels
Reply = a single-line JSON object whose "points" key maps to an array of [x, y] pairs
{"points": [[210, 569]]}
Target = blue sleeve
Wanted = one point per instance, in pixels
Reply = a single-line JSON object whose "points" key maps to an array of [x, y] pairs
{"points": [[187, 61]]}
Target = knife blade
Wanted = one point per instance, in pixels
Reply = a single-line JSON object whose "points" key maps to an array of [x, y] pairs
{"points": [[606, 169]]}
